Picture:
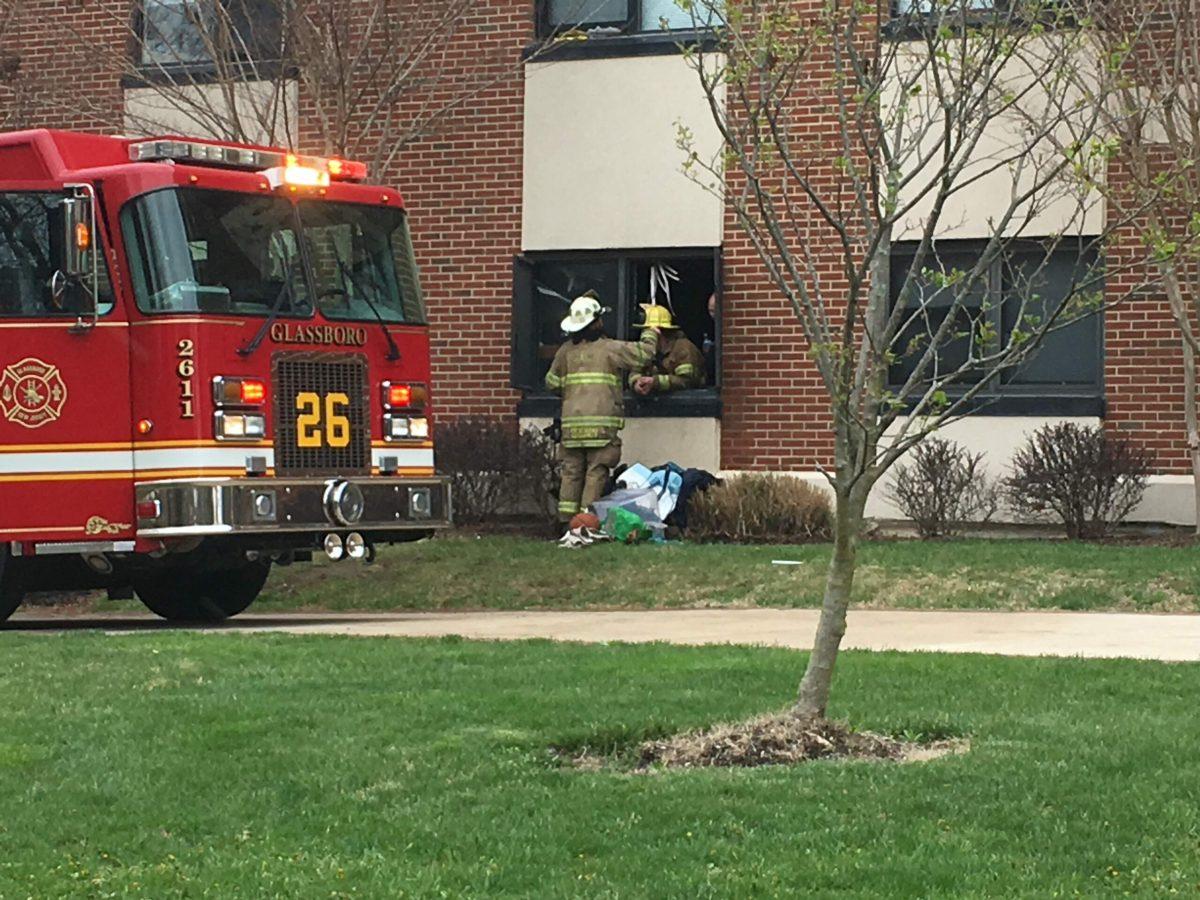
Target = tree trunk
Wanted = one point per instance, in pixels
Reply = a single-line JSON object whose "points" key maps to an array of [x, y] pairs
{"points": [[814, 687]]}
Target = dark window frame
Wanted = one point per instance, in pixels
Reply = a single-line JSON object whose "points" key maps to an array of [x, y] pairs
{"points": [[199, 72], [537, 402], [904, 26], [630, 40], [1003, 395]]}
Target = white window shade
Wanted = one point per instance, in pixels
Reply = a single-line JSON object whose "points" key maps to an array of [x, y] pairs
{"points": [[660, 14], [570, 13]]}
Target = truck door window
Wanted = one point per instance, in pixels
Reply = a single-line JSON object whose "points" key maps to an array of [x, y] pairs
{"points": [[31, 252], [214, 251]]}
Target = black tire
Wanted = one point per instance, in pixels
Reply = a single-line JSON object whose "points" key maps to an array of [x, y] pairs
{"points": [[185, 595], [10, 595]]}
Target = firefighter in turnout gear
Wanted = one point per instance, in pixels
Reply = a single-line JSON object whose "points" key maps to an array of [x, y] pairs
{"points": [[589, 372], [678, 363]]}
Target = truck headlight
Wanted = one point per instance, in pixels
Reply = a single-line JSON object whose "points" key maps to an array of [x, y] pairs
{"points": [[403, 428], [239, 426], [420, 502], [344, 503]]}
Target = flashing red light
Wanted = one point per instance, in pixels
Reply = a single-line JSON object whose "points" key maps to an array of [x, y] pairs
{"points": [[347, 170], [399, 396], [253, 392]]}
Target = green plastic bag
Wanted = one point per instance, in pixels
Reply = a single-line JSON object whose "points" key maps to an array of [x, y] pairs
{"points": [[625, 526]]}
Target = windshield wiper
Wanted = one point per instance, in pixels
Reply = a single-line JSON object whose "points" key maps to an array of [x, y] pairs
{"points": [[347, 272], [276, 307]]}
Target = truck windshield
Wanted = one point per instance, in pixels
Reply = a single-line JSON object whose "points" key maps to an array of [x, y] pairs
{"points": [[362, 262], [197, 250], [214, 251]]}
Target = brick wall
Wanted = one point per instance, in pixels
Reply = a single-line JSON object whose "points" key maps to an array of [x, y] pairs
{"points": [[463, 188], [57, 83]]}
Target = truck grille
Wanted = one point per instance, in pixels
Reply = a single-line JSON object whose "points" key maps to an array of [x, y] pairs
{"points": [[320, 374]]}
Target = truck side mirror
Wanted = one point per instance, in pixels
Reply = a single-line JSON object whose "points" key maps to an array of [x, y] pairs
{"points": [[81, 259], [77, 239]]}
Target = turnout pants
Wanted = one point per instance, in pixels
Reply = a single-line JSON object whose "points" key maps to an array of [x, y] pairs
{"points": [[584, 473]]}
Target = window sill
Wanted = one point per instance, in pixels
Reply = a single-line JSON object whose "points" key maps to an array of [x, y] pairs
{"points": [[149, 76], [611, 46], [1044, 404], [704, 403]]}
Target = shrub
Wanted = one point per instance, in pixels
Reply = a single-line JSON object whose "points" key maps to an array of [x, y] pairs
{"points": [[539, 474], [943, 488], [1088, 479], [495, 469], [480, 457], [760, 509]]}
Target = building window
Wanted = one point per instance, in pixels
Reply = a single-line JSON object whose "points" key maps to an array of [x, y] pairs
{"points": [[1065, 375], [941, 8], [32, 245], [205, 33], [544, 284], [621, 17]]}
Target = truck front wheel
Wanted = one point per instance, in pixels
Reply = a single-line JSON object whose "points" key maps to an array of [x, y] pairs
{"points": [[10, 594], [202, 595]]}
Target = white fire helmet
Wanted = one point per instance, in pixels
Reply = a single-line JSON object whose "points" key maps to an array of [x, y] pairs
{"points": [[584, 311]]}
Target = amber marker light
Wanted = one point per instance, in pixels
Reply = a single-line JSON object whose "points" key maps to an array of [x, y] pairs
{"points": [[83, 236], [144, 426]]}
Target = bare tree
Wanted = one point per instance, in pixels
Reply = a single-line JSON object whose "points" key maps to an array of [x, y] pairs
{"points": [[347, 77], [1151, 105], [847, 131]]}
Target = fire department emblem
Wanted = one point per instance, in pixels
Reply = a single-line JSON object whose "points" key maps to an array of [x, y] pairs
{"points": [[32, 393]]}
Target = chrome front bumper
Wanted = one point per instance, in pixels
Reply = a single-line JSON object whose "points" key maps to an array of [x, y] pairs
{"points": [[287, 506]]}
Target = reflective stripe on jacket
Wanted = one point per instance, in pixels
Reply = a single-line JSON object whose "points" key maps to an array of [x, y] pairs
{"points": [[590, 376], [681, 365]]}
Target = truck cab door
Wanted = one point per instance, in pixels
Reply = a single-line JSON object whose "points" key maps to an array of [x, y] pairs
{"points": [[66, 455]]}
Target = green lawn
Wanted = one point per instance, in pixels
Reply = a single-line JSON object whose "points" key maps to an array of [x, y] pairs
{"points": [[513, 573], [167, 764]]}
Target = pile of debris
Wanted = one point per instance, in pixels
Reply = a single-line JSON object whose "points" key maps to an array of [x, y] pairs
{"points": [[784, 739]]}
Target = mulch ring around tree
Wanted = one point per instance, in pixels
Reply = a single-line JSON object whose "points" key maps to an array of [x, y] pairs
{"points": [[771, 740]]}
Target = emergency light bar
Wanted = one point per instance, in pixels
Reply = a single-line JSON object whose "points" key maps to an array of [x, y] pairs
{"points": [[200, 153]]}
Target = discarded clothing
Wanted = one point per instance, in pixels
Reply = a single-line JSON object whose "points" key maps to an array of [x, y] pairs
{"points": [[582, 537]]}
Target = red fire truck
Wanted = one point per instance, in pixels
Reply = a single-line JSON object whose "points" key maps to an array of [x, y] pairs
{"points": [[213, 359]]}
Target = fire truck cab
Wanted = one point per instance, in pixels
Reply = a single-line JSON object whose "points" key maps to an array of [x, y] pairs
{"points": [[213, 359]]}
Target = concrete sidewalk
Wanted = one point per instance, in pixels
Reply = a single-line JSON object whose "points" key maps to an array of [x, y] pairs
{"points": [[1133, 635]]}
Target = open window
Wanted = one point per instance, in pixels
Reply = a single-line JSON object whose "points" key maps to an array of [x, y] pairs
{"points": [[599, 18], [687, 282]]}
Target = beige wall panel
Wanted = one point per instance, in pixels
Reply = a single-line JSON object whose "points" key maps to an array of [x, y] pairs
{"points": [[602, 169], [973, 212], [195, 111], [1168, 499], [690, 442]]}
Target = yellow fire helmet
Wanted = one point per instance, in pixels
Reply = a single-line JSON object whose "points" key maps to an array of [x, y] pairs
{"points": [[656, 316]]}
